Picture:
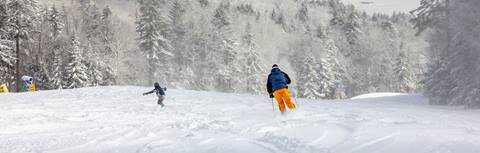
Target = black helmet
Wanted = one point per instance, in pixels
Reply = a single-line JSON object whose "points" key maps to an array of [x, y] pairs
{"points": [[156, 85], [274, 66]]}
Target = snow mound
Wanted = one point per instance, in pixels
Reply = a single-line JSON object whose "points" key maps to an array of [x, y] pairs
{"points": [[121, 120], [378, 95]]}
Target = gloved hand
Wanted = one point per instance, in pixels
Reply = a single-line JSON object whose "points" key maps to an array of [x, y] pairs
{"points": [[144, 94], [271, 96]]}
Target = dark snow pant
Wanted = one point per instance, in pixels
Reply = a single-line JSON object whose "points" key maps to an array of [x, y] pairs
{"points": [[160, 100]]}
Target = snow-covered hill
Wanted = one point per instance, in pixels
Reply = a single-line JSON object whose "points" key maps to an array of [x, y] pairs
{"points": [[119, 119]]}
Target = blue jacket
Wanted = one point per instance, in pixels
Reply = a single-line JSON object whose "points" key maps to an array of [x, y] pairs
{"points": [[277, 80], [158, 90], [27, 84]]}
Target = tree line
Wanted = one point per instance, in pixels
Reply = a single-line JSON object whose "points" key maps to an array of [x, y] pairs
{"points": [[60, 46], [453, 68], [228, 46], [328, 47]]}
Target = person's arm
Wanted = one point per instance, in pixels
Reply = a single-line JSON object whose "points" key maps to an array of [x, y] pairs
{"points": [[150, 92], [288, 78], [269, 85]]}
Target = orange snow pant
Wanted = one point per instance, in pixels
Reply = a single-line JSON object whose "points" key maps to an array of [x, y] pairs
{"points": [[283, 97]]}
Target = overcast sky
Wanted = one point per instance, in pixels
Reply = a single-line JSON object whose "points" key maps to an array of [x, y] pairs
{"points": [[386, 6]]}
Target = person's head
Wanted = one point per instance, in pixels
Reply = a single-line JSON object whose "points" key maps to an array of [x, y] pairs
{"points": [[156, 85], [275, 66]]}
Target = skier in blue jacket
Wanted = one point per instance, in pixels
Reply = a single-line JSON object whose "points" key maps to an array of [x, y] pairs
{"points": [[277, 87], [160, 93]]}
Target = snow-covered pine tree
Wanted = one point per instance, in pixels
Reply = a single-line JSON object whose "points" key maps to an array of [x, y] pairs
{"points": [[221, 19], [22, 15], [327, 67], [453, 77], [41, 64], [40, 75], [402, 71], [352, 27], [94, 72], [226, 50], [55, 21], [151, 27], [356, 55], [178, 36], [50, 44], [6, 52], [305, 65], [3, 13], [66, 20], [388, 56], [75, 69], [252, 66], [110, 55], [226, 77], [438, 82], [277, 16], [7, 58], [463, 66], [428, 14], [91, 36], [308, 78], [472, 96], [316, 76], [334, 70], [7, 61], [55, 78], [106, 26], [91, 23], [326, 84], [338, 13], [109, 75], [302, 14], [202, 53], [50, 47]]}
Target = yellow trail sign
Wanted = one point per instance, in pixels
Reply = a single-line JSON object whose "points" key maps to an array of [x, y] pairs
{"points": [[32, 88], [3, 88]]}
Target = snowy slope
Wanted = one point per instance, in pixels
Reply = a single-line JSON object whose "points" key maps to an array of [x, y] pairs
{"points": [[118, 119]]}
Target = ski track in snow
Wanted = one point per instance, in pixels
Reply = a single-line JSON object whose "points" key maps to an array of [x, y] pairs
{"points": [[119, 119]]}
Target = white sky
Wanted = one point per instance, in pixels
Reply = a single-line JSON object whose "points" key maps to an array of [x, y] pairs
{"points": [[386, 6]]}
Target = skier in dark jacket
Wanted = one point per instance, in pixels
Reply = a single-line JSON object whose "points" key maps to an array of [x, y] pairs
{"points": [[160, 93], [277, 87]]}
